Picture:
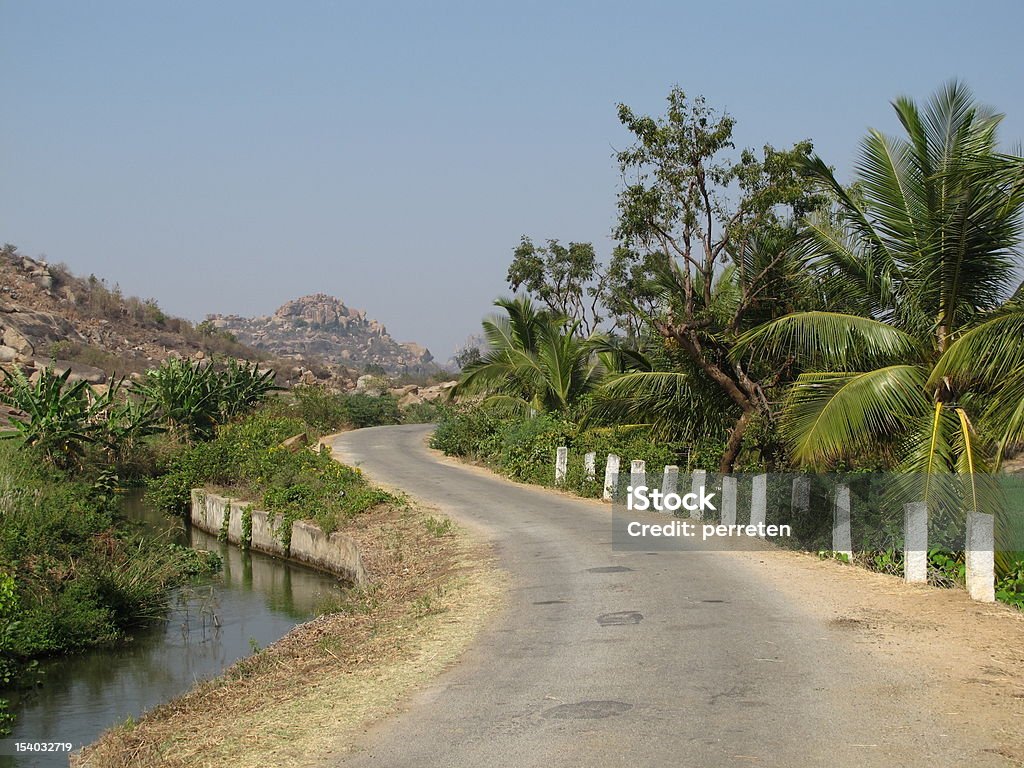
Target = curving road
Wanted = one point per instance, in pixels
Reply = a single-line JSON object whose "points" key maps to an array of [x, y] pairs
{"points": [[606, 658]]}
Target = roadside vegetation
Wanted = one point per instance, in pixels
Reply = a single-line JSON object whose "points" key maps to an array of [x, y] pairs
{"points": [[247, 459], [73, 572], [759, 315]]}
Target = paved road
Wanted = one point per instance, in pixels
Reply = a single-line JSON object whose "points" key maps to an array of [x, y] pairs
{"points": [[606, 658]]}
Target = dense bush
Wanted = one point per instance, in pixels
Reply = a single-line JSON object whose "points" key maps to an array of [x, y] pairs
{"points": [[327, 412], [78, 578], [247, 459], [369, 411], [524, 448]]}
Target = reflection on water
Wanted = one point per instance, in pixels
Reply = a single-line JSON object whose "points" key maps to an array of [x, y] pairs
{"points": [[211, 623]]}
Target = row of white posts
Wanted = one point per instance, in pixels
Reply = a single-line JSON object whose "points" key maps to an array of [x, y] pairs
{"points": [[979, 547]]}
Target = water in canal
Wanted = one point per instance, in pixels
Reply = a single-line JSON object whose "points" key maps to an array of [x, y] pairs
{"points": [[211, 623]]}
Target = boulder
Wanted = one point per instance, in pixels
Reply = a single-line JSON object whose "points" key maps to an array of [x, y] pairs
{"points": [[368, 384], [8, 354], [79, 372], [410, 399], [296, 443], [29, 332], [438, 391]]}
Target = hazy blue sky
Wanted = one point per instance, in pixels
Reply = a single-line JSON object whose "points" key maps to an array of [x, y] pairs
{"points": [[226, 157]]}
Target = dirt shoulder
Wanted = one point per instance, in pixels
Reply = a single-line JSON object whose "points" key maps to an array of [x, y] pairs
{"points": [[952, 649], [306, 697]]}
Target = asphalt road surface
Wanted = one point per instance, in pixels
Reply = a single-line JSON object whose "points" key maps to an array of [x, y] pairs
{"points": [[605, 658]]}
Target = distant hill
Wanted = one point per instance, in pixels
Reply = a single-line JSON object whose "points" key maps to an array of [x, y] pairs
{"points": [[50, 317], [321, 326]]}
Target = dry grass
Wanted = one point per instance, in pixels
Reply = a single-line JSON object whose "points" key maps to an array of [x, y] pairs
{"points": [[308, 695]]}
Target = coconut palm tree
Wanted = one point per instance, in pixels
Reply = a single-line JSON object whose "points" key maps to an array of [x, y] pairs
{"points": [[924, 358], [536, 362]]}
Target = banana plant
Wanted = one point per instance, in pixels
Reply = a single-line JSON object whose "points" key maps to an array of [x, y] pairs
{"points": [[58, 417], [193, 398]]}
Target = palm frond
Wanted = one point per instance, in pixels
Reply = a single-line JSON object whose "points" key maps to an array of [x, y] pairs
{"points": [[987, 355], [835, 415], [830, 340]]}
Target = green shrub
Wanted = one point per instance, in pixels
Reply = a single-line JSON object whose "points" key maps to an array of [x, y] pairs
{"points": [[321, 410], [369, 411], [524, 448], [466, 432], [79, 578], [327, 412], [1010, 588], [422, 413], [193, 398], [247, 459]]}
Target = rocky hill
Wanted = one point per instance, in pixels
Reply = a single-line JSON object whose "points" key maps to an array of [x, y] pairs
{"points": [[321, 326], [51, 318]]}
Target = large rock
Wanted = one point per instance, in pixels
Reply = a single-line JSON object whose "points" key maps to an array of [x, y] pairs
{"points": [[438, 391], [79, 372], [410, 399], [369, 385], [29, 332]]}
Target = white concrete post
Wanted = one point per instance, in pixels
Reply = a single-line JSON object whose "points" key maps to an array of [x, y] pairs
{"points": [[842, 541], [759, 500], [590, 466], [801, 499], [670, 480], [915, 542], [637, 473], [981, 565], [700, 477], [561, 465], [728, 500], [611, 477]]}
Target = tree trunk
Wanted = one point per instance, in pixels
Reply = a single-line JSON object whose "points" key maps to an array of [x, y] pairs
{"points": [[735, 441]]}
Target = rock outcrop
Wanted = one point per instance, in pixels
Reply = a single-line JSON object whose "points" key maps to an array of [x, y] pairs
{"points": [[321, 326], [51, 318]]}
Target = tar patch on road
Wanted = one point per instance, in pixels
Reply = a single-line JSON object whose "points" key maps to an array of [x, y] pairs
{"points": [[587, 710], [609, 569], [551, 602], [620, 618]]}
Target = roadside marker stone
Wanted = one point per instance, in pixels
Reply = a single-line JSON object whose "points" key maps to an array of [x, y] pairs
{"points": [[611, 477], [700, 477], [670, 480], [561, 465], [590, 465], [915, 542], [842, 542], [759, 500], [638, 472], [980, 551], [728, 500]]}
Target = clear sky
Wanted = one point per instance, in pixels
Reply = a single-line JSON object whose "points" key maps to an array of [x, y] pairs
{"points": [[229, 156]]}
